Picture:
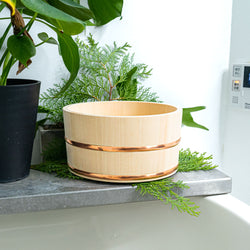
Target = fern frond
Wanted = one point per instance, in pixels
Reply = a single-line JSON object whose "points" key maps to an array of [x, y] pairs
{"points": [[102, 70], [190, 161], [146, 95], [166, 191]]}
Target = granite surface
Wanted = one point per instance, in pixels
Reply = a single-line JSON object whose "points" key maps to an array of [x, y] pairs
{"points": [[42, 191]]}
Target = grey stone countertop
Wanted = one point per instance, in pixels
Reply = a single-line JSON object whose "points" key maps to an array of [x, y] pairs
{"points": [[42, 191]]}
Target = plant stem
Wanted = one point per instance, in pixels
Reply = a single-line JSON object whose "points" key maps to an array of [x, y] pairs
{"points": [[3, 57], [38, 20], [2, 39], [29, 24], [101, 87], [110, 83], [7, 59], [91, 96], [9, 62], [95, 98], [41, 43]]}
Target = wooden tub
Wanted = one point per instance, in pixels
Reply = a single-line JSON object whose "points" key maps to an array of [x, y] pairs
{"points": [[122, 141]]}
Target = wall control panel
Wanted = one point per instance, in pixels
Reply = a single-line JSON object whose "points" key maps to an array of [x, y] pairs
{"points": [[240, 86]]}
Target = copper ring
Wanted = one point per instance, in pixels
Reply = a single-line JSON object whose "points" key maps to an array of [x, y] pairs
{"points": [[121, 177], [122, 149]]}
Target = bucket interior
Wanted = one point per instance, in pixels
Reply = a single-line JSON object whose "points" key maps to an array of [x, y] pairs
{"points": [[120, 108]]}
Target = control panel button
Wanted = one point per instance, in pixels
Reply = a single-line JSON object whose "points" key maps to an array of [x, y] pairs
{"points": [[236, 85], [237, 70]]}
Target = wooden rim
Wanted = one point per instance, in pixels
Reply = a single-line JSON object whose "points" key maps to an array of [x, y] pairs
{"points": [[69, 109], [123, 178], [122, 149]]}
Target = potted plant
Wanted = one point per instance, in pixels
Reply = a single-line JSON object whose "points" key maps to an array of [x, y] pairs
{"points": [[19, 98]]}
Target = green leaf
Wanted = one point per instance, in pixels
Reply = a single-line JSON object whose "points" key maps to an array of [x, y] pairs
{"points": [[188, 120], [73, 9], [127, 89], [70, 54], [21, 47], [19, 5], [63, 21], [45, 38], [105, 10], [2, 6]]}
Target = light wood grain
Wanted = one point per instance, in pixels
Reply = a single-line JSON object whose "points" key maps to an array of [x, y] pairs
{"points": [[122, 124]]}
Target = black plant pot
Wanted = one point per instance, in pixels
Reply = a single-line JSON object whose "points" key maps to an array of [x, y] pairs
{"points": [[18, 111]]}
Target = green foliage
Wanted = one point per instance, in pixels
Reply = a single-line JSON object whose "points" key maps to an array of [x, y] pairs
{"points": [[105, 10], [64, 17], [18, 44], [73, 9], [127, 88], [165, 190], [106, 73], [46, 39], [69, 52], [59, 168], [4, 36], [2, 6], [188, 120], [193, 161], [53, 15]]}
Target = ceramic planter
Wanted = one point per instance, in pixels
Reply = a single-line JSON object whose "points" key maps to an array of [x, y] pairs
{"points": [[18, 111], [122, 141]]}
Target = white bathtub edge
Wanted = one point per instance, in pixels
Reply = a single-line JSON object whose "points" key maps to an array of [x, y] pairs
{"points": [[233, 205]]}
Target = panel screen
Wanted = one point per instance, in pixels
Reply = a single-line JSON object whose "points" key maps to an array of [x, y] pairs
{"points": [[246, 80]]}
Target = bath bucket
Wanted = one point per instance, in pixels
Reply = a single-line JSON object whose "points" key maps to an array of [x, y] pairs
{"points": [[122, 141]]}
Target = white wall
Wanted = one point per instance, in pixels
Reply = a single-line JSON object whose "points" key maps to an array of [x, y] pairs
{"points": [[236, 160], [187, 45]]}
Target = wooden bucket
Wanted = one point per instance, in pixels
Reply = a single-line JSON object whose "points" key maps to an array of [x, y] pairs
{"points": [[122, 141]]}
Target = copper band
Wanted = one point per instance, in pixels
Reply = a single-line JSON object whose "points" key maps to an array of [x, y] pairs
{"points": [[121, 177], [122, 149]]}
